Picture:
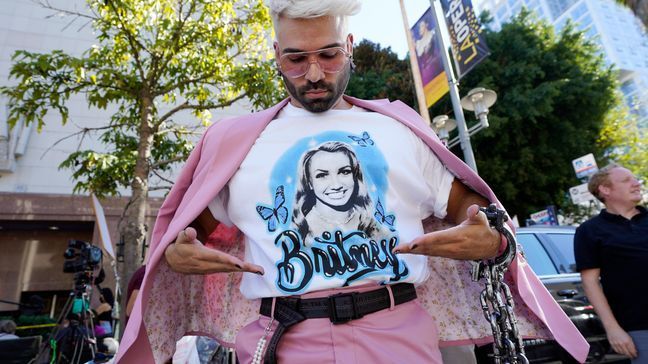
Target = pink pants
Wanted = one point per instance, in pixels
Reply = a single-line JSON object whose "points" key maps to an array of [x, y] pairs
{"points": [[403, 334]]}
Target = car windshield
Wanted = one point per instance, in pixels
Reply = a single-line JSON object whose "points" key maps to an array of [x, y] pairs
{"points": [[565, 245]]}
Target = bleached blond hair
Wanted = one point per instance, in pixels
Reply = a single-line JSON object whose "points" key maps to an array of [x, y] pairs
{"points": [[302, 9]]}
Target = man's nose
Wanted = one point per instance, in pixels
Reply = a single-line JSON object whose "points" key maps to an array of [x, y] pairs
{"points": [[315, 72]]}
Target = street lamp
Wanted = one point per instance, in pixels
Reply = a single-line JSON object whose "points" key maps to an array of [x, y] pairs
{"points": [[478, 100], [442, 126]]}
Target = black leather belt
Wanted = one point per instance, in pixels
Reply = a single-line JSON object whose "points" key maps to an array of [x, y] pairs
{"points": [[344, 307], [339, 308]]}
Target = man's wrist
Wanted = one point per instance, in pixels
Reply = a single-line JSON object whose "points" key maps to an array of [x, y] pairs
{"points": [[611, 325]]}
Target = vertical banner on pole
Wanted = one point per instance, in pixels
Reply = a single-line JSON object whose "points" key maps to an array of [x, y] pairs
{"points": [[468, 45], [435, 83]]}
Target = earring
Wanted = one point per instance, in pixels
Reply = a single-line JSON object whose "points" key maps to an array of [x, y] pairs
{"points": [[353, 65]]}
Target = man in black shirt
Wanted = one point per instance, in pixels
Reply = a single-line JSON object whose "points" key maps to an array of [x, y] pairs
{"points": [[613, 246]]}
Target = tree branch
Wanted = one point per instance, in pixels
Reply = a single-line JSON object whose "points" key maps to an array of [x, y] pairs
{"points": [[167, 161], [83, 131], [155, 172], [46, 4], [187, 106], [133, 42], [176, 85], [184, 105], [175, 38], [158, 188]]}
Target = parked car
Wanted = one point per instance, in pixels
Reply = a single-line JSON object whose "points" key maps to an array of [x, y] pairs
{"points": [[549, 251]]}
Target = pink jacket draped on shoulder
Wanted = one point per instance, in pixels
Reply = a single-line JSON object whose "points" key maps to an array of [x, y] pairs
{"points": [[171, 305]]}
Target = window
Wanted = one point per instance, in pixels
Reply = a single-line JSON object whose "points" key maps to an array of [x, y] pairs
{"points": [[579, 11], [536, 255], [561, 24], [501, 13], [558, 7], [585, 22], [565, 245]]}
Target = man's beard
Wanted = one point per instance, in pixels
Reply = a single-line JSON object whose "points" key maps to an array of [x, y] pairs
{"points": [[320, 104]]}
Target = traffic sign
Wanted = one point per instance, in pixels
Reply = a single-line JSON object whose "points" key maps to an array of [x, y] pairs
{"points": [[545, 217], [585, 166], [580, 194]]}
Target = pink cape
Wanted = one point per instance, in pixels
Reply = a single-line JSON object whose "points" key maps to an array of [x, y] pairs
{"points": [[171, 305]]}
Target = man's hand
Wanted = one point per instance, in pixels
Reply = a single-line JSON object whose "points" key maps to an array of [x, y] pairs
{"points": [[472, 239], [188, 255], [621, 342]]}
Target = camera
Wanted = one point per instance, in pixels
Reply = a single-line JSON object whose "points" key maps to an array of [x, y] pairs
{"points": [[81, 256]]}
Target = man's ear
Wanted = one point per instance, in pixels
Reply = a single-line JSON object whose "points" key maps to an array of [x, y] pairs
{"points": [[277, 54], [349, 46], [275, 45], [603, 190], [349, 43]]}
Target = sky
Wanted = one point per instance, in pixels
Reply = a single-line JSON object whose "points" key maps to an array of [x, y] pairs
{"points": [[380, 21]]}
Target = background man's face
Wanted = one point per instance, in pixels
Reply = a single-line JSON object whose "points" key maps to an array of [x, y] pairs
{"points": [[622, 187], [316, 91]]}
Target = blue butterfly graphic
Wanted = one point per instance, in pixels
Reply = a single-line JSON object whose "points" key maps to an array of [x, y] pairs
{"points": [[384, 219], [363, 141], [276, 214]]}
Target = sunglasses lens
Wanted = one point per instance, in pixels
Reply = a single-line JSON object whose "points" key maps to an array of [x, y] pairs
{"points": [[330, 60]]}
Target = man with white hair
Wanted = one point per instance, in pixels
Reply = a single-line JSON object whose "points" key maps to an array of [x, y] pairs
{"points": [[611, 251], [393, 293]]}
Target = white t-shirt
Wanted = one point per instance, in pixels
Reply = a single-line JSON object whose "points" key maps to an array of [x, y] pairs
{"points": [[322, 200]]}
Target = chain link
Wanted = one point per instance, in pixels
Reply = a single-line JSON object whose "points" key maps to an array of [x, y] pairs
{"points": [[496, 299]]}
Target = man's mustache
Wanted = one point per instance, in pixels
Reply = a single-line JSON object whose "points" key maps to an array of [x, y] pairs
{"points": [[319, 85]]}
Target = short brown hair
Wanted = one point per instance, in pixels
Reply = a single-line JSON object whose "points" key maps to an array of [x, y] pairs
{"points": [[600, 178]]}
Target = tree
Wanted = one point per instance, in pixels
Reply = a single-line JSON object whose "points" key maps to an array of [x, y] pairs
{"points": [[153, 59], [380, 74], [554, 93], [625, 143]]}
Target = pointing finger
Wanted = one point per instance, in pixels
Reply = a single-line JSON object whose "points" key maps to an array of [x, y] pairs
{"points": [[218, 257], [416, 245]]}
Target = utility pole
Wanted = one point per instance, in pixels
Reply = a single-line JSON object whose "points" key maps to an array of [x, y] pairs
{"points": [[416, 73], [464, 137]]}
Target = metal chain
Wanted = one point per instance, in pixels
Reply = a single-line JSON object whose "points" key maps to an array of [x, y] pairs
{"points": [[496, 299]]}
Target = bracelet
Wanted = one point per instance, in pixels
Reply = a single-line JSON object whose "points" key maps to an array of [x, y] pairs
{"points": [[496, 219]]}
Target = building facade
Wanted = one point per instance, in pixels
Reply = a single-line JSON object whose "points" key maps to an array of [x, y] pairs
{"points": [[620, 35], [39, 213]]}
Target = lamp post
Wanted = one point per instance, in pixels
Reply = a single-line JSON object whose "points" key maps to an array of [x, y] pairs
{"points": [[478, 100], [464, 137]]}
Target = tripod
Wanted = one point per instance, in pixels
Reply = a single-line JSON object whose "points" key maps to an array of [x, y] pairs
{"points": [[74, 343]]}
